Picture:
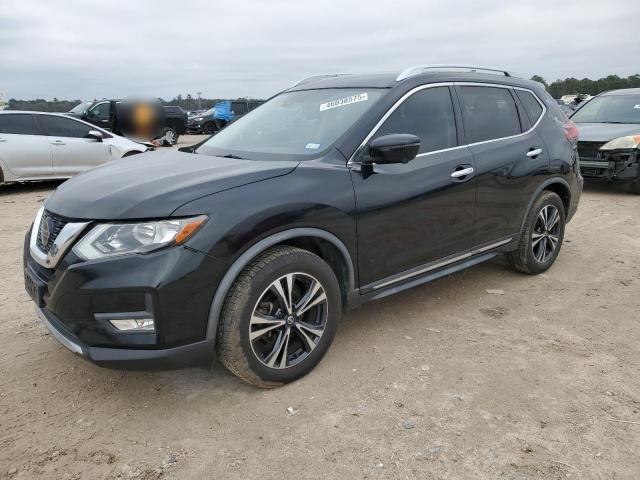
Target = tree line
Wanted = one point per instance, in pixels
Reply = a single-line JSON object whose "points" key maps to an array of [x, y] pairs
{"points": [[56, 105], [557, 89], [572, 85]]}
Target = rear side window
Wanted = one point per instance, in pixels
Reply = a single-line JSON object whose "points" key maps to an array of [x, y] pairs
{"points": [[488, 113], [531, 105], [63, 127], [427, 114], [19, 124]]}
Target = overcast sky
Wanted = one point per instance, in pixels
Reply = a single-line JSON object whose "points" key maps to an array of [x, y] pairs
{"points": [[112, 48]]}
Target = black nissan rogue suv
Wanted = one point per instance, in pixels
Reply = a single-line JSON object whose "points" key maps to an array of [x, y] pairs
{"points": [[337, 191]]}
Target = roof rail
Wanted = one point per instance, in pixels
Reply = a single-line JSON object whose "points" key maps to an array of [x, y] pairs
{"points": [[316, 77], [419, 69]]}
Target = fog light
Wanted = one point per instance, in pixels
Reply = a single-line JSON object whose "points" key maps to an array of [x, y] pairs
{"points": [[134, 324]]}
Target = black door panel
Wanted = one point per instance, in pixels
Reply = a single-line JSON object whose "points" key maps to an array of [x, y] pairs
{"points": [[410, 214], [506, 179], [505, 174]]}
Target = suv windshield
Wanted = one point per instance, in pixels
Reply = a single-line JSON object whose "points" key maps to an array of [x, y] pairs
{"points": [[294, 123], [610, 109], [80, 108]]}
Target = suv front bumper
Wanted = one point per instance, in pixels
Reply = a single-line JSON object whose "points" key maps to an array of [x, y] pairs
{"points": [[199, 353], [174, 286]]}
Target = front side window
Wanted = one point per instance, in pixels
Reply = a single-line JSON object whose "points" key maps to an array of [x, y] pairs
{"points": [[301, 123], [101, 110], [488, 113], [239, 108], [64, 127], [429, 115], [18, 124], [610, 109]]}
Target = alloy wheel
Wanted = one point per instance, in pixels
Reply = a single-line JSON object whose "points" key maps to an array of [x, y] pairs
{"points": [[546, 233], [288, 320], [171, 137]]}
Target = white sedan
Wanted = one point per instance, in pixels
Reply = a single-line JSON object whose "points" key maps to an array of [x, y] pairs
{"points": [[39, 146]]}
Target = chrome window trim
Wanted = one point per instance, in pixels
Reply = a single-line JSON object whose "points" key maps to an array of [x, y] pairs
{"points": [[448, 84], [63, 241]]}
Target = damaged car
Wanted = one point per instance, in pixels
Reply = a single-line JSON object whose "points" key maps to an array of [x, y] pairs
{"points": [[609, 145]]}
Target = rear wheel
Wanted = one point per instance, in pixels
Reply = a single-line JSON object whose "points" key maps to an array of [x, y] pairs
{"points": [[279, 317], [542, 236]]}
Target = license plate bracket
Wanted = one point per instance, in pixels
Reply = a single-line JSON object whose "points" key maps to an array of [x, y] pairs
{"points": [[34, 287]]}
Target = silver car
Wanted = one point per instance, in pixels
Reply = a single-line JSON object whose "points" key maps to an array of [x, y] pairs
{"points": [[40, 145]]}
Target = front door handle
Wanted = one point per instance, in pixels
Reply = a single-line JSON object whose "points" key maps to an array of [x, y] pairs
{"points": [[3, 139], [534, 152], [463, 172], [58, 142]]}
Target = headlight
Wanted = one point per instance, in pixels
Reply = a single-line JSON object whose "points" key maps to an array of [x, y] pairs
{"points": [[632, 141], [199, 119], [110, 239]]}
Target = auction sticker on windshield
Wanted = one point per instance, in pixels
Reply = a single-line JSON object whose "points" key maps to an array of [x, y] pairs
{"points": [[341, 102]]}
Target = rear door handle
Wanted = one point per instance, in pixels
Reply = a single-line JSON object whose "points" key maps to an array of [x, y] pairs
{"points": [[534, 152], [462, 172], [3, 139]]}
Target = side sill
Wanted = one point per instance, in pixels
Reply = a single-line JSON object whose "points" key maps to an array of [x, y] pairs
{"points": [[355, 299]]}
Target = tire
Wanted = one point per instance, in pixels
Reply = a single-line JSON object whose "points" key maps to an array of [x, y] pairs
{"points": [[171, 135], [635, 187], [209, 128], [253, 302], [540, 241]]}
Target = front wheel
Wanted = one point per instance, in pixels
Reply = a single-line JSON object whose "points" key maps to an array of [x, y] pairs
{"points": [[541, 237], [279, 317], [170, 135], [209, 128]]}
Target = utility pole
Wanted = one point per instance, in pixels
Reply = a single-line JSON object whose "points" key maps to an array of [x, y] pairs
{"points": [[199, 101]]}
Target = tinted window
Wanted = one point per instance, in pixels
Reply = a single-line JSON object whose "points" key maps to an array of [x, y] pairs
{"points": [[100, 110], [531, 105], [239, 108], [427, 114], [488, 113], [63, 127], [18, 123]]}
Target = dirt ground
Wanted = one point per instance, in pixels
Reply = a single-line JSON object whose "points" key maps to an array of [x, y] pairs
{"points": [[444, 381]]}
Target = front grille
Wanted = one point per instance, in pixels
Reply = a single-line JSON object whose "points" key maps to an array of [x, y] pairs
{"points": [[54, 224], [589, 150]]}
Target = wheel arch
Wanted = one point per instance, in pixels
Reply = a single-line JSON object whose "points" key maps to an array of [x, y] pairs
{"points": [[557, 185], [321, 242]]}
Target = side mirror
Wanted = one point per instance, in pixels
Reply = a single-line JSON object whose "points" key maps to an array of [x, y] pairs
{"points": [[96, 135], [393, 148]]}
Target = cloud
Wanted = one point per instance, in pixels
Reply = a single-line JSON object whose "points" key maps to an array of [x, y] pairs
{"points": [[78, 49]]}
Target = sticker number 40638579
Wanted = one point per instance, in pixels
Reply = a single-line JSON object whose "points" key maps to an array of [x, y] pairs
{"points": [[341, 102]]}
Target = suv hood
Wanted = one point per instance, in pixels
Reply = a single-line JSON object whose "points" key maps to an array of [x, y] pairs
{"points": [[603, 132], [154, 184]]}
